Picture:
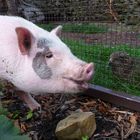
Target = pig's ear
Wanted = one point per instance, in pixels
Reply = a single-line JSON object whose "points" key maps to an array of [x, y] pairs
{"points": [[25, 38], [57, 30]]}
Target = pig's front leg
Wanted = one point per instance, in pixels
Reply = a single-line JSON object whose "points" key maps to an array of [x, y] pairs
{"points": [[29, 100]]}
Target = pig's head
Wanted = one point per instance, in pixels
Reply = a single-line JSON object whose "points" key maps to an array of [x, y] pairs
{"points": [[50, 65]]}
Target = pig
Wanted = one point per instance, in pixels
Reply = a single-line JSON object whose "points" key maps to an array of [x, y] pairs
{"points": [[36, 61]]}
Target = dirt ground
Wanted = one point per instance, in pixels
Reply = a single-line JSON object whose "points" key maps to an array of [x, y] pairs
{"points": [[109, 38], [113, 122]]}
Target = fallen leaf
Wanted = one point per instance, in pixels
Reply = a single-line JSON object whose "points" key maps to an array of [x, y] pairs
{"points": [[133, 121]]}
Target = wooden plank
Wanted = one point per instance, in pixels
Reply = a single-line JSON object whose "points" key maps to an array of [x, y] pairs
{"points": [[120, 99]]}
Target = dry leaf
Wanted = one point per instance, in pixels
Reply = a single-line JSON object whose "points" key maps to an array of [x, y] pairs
{"points": [[133, 121]]}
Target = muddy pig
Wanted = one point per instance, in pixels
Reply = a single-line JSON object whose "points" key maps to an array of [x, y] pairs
{"points": [[37, 61]]}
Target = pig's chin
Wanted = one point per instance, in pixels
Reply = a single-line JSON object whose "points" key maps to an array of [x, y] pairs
{"points": [[78, 85]]}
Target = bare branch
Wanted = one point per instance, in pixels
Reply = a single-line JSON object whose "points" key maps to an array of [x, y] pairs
{"points": [[109, 3]]}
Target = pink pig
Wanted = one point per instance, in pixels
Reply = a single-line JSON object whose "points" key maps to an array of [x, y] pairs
{"points": [[37, 61]]}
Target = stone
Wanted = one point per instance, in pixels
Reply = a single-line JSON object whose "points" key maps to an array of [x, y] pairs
{"points": [[76, 126], [31, 13]]}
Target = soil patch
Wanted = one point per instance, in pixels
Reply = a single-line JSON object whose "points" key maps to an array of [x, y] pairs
{"points": [[109, 38]]}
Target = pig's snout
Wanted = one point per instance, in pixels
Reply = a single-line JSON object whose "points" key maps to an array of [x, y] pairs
{"points": [[88, 71]]}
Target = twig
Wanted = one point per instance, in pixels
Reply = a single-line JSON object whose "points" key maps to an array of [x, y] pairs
{"points": [[122, 134], [70, 101], [137, 130], [124, 112], [104, 138], [111, 10]]}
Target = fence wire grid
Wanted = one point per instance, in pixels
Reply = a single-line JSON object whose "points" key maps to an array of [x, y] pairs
{"points": [[105, 32]]}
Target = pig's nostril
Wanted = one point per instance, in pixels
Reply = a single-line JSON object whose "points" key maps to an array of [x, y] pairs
{"points": [[89, 71], [89, 68]]}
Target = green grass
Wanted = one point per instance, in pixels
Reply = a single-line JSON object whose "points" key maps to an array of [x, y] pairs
{"points": [[99, 54], [47, 27], [78, 28]]}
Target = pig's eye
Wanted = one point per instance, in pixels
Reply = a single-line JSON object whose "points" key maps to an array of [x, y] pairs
{"points": [[49, 55]]}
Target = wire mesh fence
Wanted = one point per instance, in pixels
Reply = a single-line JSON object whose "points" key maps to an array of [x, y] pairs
{"points": [[105, 32], [115, 54]]}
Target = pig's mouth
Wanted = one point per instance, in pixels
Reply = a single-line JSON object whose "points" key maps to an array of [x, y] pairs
{"points": [[82, 84]]}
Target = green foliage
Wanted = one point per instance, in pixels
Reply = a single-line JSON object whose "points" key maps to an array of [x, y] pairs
{"points": [[29, 115], [85, 28], [8, 131], [16, 114], [47, 27], [85, 138], [99, 54], [78, 28]]}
